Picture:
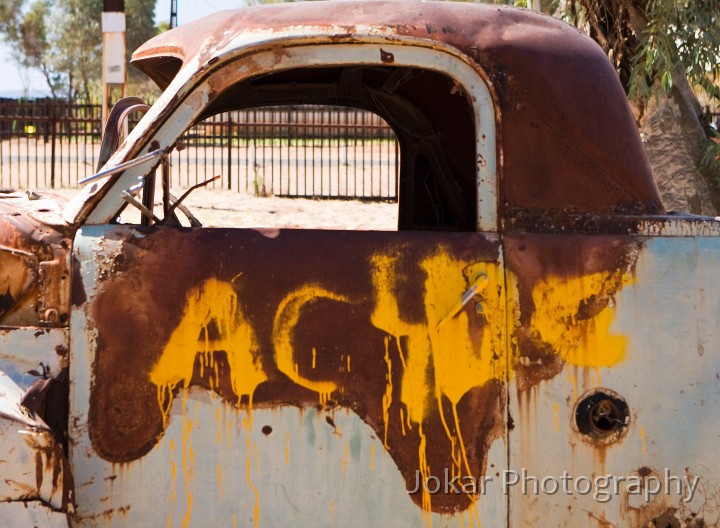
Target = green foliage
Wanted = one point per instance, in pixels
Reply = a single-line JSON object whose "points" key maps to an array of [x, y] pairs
{"points": [[76, 42], [679, 31], [63, 40], [647, 39], [26, 34], [712, 152], [140, 16], [10, 17]]}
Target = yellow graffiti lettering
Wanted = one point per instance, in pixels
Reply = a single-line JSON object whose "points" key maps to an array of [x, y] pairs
{"points": [[463, 353], [574, 317], [456, 341], [387, 397], [286, 319], [212, 321]]}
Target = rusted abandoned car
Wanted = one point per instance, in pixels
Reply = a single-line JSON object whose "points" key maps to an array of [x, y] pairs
{"points": [[536, 343]]}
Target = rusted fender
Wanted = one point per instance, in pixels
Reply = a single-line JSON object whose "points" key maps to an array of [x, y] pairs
{"points": [[34, 253]]}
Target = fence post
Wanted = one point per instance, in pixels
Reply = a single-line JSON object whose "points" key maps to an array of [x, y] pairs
{"points": [[229, 151], [53, 136]]}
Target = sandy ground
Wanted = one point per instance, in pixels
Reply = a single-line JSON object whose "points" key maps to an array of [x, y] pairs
{"points": [[217, 208], [230, 209]]}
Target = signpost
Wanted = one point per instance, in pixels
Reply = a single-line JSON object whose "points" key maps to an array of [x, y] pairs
{"points": [[114, 72]]}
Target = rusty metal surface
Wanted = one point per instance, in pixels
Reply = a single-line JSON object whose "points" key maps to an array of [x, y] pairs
{"points": [[260, 377], [564, 284], [34, 306], [562, 111], [34, 266]]}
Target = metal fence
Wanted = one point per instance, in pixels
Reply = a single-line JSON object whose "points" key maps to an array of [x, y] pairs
{"points": [[308, 151], [47, 143]]}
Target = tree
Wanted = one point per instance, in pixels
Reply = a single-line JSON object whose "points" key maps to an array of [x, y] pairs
{"points": [[660, 48], [76, 39], [63, 39], [34, 45], [25, 32], [140, 28]]}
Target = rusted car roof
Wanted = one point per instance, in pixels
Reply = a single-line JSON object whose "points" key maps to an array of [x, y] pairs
{"points": [[567, 140]]}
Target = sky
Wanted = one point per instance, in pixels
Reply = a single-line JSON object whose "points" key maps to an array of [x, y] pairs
{"points": [[11, 84]]}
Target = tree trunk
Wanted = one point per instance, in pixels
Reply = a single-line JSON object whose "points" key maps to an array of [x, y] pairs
{"points": [[675, 143]]}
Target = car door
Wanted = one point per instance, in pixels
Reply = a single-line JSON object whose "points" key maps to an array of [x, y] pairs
{"points": [[292, 375]]}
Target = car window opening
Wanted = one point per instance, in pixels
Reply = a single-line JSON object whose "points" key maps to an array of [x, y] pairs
{"points": [[399, 142]]}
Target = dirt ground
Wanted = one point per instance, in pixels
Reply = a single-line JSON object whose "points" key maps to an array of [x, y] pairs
{"points": [[219, 208], [231, 209]]}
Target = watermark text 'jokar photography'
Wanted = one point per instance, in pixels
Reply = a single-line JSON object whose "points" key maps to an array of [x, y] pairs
{"points": [[602, 488]]}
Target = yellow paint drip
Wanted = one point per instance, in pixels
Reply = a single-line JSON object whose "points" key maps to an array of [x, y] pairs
{"points": [[372, 458], [556, 411], [229, 432], [286, 319], [473, 517], [287, 448], [344, 459], [220, 480], [173, 471], [424, 474], [463, 354], [248, 461], [642, 438], [188, 459], [387, 397]]}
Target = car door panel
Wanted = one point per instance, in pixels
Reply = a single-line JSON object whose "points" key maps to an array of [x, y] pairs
{"points": [[262, 359]]}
